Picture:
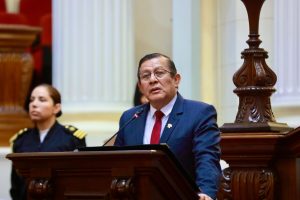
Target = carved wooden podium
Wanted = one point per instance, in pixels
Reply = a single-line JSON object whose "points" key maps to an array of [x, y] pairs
{"points": [[139, 173]]}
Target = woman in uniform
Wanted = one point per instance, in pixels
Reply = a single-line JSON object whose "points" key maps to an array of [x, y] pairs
{"points": [[48, 135]]}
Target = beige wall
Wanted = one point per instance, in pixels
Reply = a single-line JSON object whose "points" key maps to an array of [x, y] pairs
{"points": [[209, 53], [153, 27]]}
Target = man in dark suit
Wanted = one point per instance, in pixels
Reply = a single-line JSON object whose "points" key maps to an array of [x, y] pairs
{"points": [[188, 127]]}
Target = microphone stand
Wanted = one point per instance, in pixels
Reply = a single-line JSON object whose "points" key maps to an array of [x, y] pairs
{"points": [[112, 138]]}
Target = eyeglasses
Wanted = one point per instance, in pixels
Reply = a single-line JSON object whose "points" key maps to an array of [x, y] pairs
{"points": [[159, 74]]}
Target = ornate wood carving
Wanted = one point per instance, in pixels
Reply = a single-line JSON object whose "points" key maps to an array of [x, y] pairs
{"points": [[255, 83], [16, 68], [251, 173], [122, 185], [40, 189], [262, 165], [122, 188], [247, 183]]}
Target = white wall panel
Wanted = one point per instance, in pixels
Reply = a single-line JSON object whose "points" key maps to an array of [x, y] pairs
{"points": [[287, 53], [93, 59]]}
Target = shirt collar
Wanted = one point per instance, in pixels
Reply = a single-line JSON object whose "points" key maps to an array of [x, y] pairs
{"points": [[166, 109]]}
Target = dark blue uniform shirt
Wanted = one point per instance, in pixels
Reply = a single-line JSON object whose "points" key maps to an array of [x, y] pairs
{"points": [[59, 138]]}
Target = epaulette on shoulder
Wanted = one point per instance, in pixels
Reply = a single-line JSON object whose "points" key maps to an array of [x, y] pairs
{"points": [[76, 132], [18, 134]]}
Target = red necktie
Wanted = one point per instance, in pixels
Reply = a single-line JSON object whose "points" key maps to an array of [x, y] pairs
{"points": [[155, 136]]}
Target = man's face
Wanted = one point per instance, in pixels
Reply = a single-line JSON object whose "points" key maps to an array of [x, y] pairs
{"points": [[156, 82]]}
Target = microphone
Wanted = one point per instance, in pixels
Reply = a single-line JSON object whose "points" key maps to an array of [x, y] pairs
{"points": [[136, 115]]}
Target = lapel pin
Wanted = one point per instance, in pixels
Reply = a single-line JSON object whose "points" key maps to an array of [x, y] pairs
{"points": [[169, 125]]}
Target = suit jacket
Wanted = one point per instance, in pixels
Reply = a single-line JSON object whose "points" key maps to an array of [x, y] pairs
{"points": [[192, 134]]}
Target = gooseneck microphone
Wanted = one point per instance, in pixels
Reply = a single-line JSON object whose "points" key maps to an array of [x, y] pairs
{"points": [[136, 115]]}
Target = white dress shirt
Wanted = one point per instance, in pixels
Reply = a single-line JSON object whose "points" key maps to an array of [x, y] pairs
{"points": [[151, 119], [43, 134]]}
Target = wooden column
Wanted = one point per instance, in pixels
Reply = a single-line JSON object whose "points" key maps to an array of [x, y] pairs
{"points": [[16, 68], [260, 152], [255, 83]]}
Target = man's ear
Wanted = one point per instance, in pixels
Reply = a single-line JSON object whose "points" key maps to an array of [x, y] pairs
{"points": [[177, 79]]}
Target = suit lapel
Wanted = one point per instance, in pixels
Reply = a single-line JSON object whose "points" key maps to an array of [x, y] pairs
{"points": [[141, 124], [174, 117]]}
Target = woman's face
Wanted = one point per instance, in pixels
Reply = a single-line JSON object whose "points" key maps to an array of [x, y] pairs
{"points": [[41, 106]]}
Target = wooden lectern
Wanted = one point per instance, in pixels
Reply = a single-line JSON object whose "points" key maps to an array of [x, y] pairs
{"points": [[142, 172]]}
